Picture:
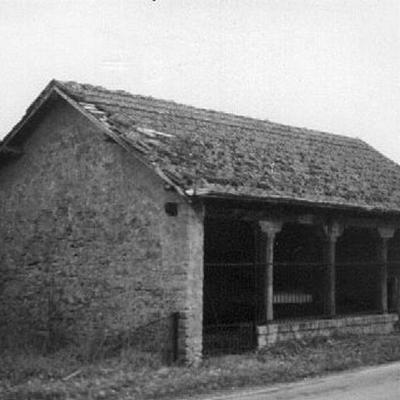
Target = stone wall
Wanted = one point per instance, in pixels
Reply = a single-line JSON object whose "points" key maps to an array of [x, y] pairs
{"points": [[86, 244], [305, 329]]}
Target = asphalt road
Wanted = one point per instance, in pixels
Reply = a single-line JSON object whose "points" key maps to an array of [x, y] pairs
{"points": [[375, 383]]}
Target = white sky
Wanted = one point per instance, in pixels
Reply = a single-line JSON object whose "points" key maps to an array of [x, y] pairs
{"points": [[331, 65]]}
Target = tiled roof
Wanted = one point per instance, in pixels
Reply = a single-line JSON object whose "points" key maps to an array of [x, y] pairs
{"points": [[209, 152]]}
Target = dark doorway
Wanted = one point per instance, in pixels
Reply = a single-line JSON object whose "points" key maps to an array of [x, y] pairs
{"points": [[357, 271], [298, 272], [230, 284], [229, 273]]}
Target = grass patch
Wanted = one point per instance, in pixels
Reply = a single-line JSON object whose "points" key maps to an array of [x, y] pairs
{"points": [[63, 375]]}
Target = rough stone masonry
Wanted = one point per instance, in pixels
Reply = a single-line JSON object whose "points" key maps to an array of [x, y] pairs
{"points": [[86, 242]]}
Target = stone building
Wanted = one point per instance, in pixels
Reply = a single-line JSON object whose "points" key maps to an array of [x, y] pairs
{"points": [[124, 209]]}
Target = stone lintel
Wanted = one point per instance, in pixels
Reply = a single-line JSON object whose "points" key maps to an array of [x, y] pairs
{"points": [[306, 219]]}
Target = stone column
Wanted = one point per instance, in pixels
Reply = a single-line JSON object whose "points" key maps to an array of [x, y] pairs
{"points": [[270, 228], [385, 234], [332, 232], [259, 259]]}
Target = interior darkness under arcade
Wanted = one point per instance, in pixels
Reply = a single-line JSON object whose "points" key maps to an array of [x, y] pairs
{"points": [[234, 273]]}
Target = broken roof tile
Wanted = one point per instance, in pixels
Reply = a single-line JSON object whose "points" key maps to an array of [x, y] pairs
{"points": [[241, 156]]}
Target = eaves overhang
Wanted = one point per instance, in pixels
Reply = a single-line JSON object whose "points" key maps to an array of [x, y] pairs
{"points": [[205, 195]]}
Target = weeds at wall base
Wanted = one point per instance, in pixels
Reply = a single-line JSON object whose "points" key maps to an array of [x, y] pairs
{"points": [[132, 375]]}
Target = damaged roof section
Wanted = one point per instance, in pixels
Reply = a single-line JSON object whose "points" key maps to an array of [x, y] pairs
{"points": [[210, 153]]}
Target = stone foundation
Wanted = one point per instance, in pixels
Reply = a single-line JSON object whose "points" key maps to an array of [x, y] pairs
{"points": [[304, 329]]}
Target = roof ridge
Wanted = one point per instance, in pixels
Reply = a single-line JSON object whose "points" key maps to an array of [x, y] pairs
{"points": [[321, 137], [238, 118]]}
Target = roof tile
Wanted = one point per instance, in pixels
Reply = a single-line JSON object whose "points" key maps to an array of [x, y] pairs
{"points": [[234, 155]]}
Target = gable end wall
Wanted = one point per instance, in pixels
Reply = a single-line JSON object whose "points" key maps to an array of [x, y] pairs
{"points": [[83, 224]]}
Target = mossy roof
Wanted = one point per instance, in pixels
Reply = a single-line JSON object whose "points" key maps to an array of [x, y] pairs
{"points": [[210, 153]]}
